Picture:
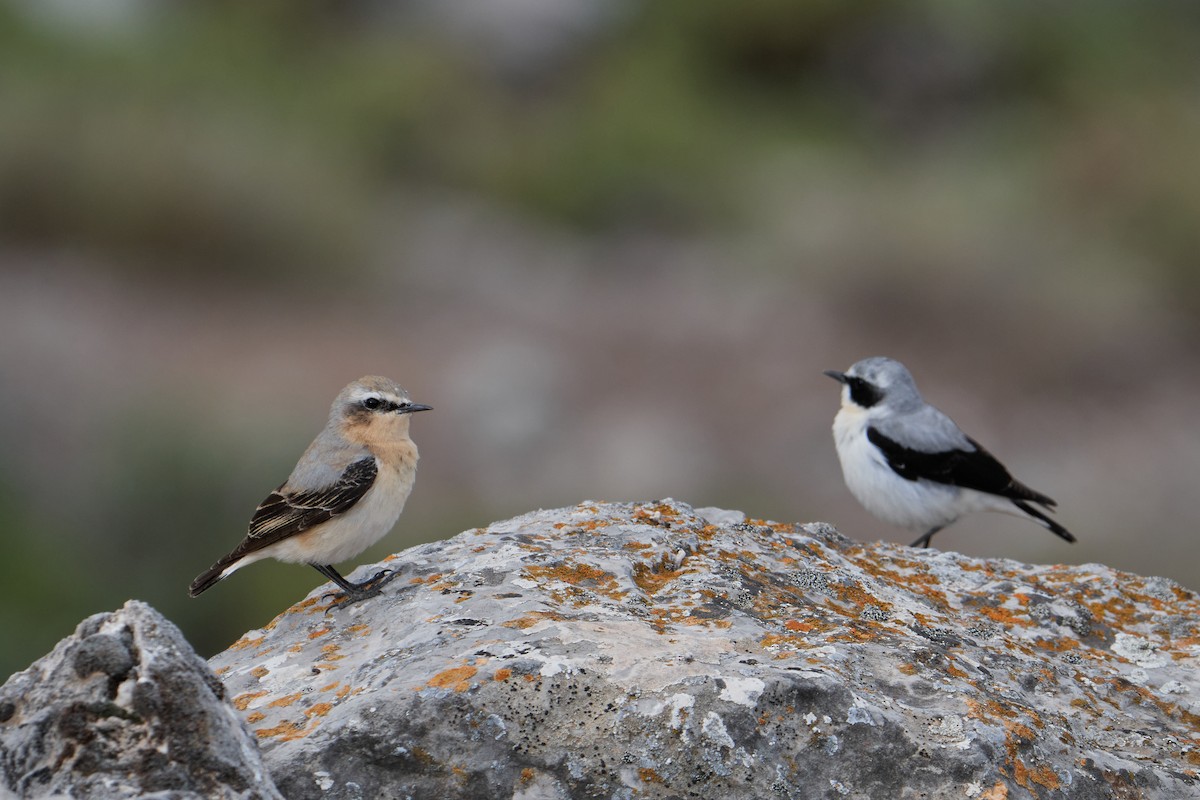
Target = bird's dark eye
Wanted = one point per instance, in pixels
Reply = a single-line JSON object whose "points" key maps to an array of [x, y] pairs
{"points": [[373, 403], [863, 393]]}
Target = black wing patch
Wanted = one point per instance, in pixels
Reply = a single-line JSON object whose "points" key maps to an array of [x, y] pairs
{"points": [[977, 469]]}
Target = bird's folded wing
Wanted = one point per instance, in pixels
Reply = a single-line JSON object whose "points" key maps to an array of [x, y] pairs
{"points": [[287, 513], [971, 469]]}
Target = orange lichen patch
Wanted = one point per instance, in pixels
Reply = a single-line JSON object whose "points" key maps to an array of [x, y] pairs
{"points": [[661, 618], [243, 700], [778, 527], [1005, 616], [1183, 595], [319, 632], [988, 709], [1190, 719], [222, 670], [656, 510], [359, 628], [637, 546], [502, 674], [285, 701], [649, 776], [1017, 736], [329, 652], [244, 642], [1021, 732], [955, 671], [344, 691], [997, 792], [858, 597], [798, 626], [318, 710], [1116, 612], [284, 731], [578, 577], [853, 634], [1041, 776], [651, 578], [437, 576], [527, 775], [296, 648], [255, 716], [456, 678], [1057, 645], [531, 619], [908, 669], [726, 555], [260, 671], [329, 687]]}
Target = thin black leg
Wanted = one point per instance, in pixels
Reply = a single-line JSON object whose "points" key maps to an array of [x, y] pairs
{"points": [[927, 537], [353, 592]]}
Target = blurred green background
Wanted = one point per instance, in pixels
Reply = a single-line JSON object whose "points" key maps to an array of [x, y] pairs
{"points": [[614, 244]]}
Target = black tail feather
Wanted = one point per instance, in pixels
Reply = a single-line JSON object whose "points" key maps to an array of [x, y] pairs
{"points": [[207, 579], [1050, 524]]}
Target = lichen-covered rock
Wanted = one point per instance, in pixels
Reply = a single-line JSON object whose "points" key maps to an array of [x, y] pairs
{"points": [[125, 708], [650, 650]]}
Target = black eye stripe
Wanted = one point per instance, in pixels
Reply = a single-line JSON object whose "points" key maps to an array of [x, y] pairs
{"points": [[379, 404], [863, 393]]}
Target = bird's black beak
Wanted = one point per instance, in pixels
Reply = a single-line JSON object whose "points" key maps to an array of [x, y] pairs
{"points": [[413, 408], [840, 377]]}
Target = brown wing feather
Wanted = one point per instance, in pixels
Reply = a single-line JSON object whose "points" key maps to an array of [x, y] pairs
{"points": [[282, 515]]}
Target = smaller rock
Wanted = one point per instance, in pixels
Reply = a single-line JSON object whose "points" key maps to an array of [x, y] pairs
{"points": [[125, 708]]}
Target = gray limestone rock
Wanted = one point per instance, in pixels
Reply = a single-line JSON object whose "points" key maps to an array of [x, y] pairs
{"points": [[125, 708], [652, 650]]}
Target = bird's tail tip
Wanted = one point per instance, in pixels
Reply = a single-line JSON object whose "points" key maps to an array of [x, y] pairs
{"points": [[206, 580], [1045, 521]]}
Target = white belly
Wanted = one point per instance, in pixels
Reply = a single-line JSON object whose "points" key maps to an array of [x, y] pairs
{"points": [[348, 534], [917, 505]]}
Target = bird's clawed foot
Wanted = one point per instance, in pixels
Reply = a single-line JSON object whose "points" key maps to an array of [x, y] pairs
{"points": [[352, 593]]}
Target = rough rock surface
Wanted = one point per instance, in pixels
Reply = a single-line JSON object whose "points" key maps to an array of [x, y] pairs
{"points": [[124, 708], [650, 650]]}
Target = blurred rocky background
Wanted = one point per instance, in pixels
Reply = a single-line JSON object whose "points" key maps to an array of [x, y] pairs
{"points": [[614, 244]]}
